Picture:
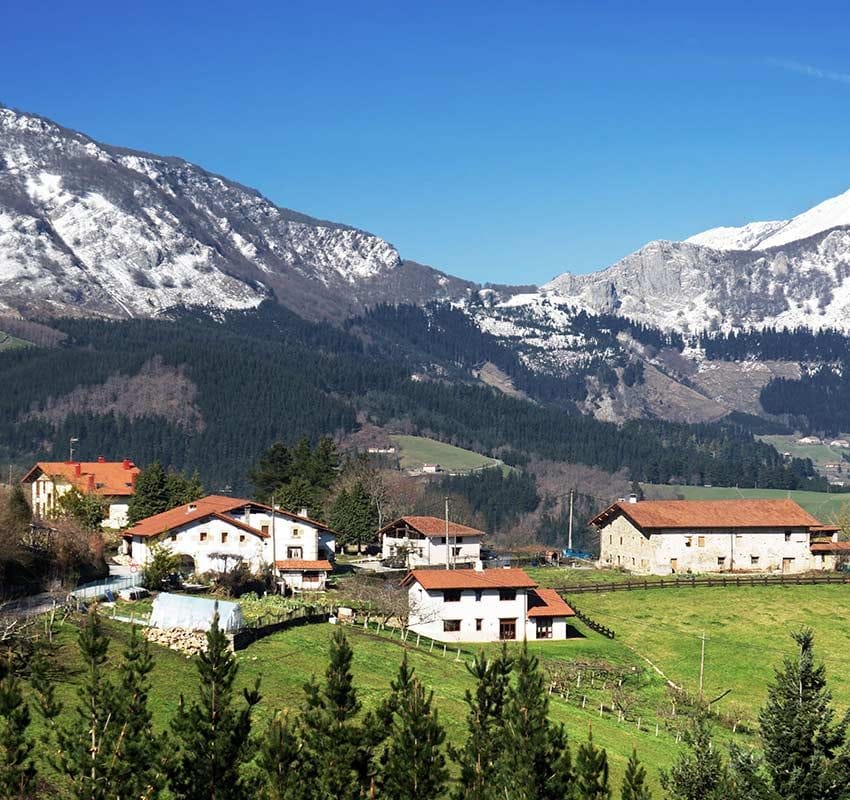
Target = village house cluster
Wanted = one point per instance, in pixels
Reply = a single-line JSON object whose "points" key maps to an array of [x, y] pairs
{"points": [[451, 596]]}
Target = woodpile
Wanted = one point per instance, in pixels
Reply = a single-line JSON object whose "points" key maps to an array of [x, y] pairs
{"points": [[188, 642]]}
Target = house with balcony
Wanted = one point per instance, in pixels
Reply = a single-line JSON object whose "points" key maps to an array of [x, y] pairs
{"points": [[429, 541], [478, 605], [113, 481], [668, 537], [216, 532]]}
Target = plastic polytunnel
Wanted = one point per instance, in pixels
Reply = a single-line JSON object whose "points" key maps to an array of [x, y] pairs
{"points": [[194, 613]]}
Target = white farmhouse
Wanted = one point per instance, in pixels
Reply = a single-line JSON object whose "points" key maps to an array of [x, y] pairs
{"points": [[663, 537], [428, 541], [213, 533], [477, 605], [113, 481]]}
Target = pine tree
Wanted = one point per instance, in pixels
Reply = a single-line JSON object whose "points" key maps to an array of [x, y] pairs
{"points": [[340, 750], [210, 738], [634, 781], [700, 772], [592, 772], [137, 770], [181, 489], [805, 750], [87, 742], [272, 471], [151, 494], [535, 763], [354, 516], [17, 772], [413, 768], [20, 513], [483, 749], [288, 772]]}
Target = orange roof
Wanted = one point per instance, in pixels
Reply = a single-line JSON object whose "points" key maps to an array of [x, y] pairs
{"points": [[691, 514], [213, 505], [107, 478], [547, 603], [434, 526], [295, 564], [830, 547], [469, 579]]}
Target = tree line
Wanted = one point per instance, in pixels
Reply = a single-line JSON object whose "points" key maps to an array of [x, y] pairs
{"points": [[106, 746]]}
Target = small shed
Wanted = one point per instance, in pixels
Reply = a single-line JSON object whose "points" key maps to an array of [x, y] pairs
{"points": [[194, 613]]}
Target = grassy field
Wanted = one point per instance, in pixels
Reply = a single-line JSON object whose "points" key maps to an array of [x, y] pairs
{"points": [[822, 505], [417, 450], [820, 454], [9, 342]]}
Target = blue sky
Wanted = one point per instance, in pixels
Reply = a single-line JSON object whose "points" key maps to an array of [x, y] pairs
{"points": [[503, 142]]}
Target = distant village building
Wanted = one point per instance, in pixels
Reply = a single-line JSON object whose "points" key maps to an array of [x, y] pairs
{"points": [[663, 537], [114, 481], [809, 440], [845, 443], [477, 605], [382, 451], [431, 469], [427, 541], [215, 533]]}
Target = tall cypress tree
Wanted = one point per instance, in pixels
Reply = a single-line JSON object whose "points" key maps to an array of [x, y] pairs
{"points": [[413, 768], [480, 755], [151, 494], [634, 780], [17, 772], [211, 737], [592, 772], [805, 750]]}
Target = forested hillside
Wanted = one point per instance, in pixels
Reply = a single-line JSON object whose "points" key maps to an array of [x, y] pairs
{"points": [[256, 377]]}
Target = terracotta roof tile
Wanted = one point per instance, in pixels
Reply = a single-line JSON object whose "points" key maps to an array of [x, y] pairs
{"points": [[294, 564], [693, 514], [106, 478], [830, 547], [547, 603], [470, 579], [434, 526]]}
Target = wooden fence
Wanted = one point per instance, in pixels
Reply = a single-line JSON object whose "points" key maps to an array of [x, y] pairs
{"points": [[592, 623], [709, 581]]}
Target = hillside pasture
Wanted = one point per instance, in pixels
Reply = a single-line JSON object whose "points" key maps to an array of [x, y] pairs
{"points": [[415, 451]]}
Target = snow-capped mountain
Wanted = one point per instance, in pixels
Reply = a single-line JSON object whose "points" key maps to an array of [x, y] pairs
{"points": [[87, 228], [784, 273]]}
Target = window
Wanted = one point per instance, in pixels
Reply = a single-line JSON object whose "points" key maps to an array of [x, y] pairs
{"points": [[455, 551], [754, 561], [544, 628], [478, 624], [224, 537], [674, 564], [203, 536], [173, 537], [610, 540], [787, 536], [507, 629], [688, 541], [721, 562], [451, 595], [296, 533], [507, 594], [621, 540], [700, 541], [264, 529], [241, 538], [451, 625], [478, 595], [293, 552]]}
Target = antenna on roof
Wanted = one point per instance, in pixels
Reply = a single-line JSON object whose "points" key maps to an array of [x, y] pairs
{"points": [[71, 442]]}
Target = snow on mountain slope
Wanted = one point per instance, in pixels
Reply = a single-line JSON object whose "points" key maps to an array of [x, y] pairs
{"points": [[743, 238], [87, 228], [829, 214]]}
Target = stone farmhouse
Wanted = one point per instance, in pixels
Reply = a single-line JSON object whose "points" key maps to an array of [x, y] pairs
{"points": [[214, 533], [114, 481], [478, 605], [664, 537], [425, 542]]}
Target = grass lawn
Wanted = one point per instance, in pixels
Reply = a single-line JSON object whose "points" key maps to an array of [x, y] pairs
{"points": [[748, 634], [822, 505], [417, 450], [9, 342], [820, 454]]}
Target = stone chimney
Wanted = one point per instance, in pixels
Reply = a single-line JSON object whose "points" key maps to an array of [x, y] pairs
{"points": [[101, 460], [633, 498], [304, 513], [127, 464]]}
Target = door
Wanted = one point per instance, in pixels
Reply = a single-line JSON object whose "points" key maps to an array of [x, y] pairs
{"points": [[507, 629], [674, 564], [787, 563]]}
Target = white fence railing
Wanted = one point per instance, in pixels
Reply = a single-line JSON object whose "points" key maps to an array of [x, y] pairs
{"points": [[99, 588]]}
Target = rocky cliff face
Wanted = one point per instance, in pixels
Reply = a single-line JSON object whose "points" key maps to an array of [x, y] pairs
{"points": [[86, 228]]}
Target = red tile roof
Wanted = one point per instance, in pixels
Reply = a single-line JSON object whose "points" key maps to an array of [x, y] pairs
{"points": [[434, 526], [547, 603], [469, 579], [693, 514], [830, 547], [106, 478], [294, 565]]}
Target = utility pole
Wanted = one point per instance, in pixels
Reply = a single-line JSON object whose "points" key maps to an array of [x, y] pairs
{"points": [[274, 545], [701, 661], [448, 544], [71, 442], [570, 535]]}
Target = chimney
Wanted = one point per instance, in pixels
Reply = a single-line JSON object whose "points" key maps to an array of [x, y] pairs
{"points": [[91, 483], [303, 512], [101, 460], [78, 470], [191, 507], [479, 565], [127, 464], [633, 498]]}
